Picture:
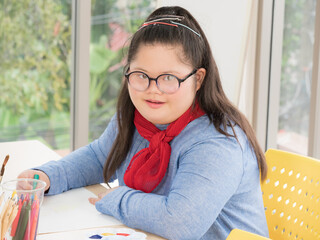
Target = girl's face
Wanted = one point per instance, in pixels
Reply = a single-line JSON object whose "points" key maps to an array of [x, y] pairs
{"points": [[154, 60]]}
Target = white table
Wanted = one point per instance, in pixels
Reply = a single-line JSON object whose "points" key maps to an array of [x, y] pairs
{"points": [[60, 217], [24, 155]]}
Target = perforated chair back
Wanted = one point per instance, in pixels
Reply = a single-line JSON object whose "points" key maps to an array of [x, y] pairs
{"points": [[291, 196], [237, 234]]}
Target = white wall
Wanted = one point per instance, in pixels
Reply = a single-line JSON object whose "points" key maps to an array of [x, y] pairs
{"points": [[224, 23]]}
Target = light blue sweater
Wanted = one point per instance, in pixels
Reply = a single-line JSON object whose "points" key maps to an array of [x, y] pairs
{"points": [[211, 185]]}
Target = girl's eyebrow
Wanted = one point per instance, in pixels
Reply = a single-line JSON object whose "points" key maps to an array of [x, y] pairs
{"points": [[146, 71], [138, 69]]}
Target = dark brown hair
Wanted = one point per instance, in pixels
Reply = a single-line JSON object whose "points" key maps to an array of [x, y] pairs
{"points": [[210, 96]]}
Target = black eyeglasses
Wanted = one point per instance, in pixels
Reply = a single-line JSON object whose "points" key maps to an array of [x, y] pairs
{"points": [[166, 83]]}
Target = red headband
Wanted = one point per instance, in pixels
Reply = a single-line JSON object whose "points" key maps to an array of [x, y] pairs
{"points": [[153, 23]]}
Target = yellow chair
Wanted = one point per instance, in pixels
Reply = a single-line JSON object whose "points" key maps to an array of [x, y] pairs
{"points": [[237, 234], [291, 196]]}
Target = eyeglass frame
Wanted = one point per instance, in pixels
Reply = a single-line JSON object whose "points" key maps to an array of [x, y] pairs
{"points": [[180, 80]]}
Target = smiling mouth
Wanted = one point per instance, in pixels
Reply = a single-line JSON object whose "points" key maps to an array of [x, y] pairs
{"points": [[154, 102]]}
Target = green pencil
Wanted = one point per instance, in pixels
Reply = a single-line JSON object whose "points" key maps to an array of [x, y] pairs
{"points": [[24, 222], [23, 210], [36, 176]]}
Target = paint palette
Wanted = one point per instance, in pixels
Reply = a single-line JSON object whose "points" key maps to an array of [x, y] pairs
{"points": [[116, 234]]}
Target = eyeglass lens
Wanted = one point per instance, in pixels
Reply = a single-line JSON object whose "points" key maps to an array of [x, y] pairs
{"points": [[166, 83]]}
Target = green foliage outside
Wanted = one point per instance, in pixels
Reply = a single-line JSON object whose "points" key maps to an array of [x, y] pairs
{"points": [[297, 53], [34, 70], [35, 60]]}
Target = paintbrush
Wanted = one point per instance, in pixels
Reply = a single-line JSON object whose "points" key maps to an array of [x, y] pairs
{"points": [[3, 167]]}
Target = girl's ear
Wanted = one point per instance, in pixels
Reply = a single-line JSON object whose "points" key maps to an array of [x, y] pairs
{"points": [[200, 74]]}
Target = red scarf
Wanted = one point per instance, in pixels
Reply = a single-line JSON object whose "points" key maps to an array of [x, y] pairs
{"points": [[148, 166]]}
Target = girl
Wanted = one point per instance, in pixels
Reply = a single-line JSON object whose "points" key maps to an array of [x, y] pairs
{"points": [[187, 160]]}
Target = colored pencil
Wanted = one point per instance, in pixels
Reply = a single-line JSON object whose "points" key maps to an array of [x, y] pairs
{"points": [[35, 220], [30, 221], [8, 213], [36, 176], [6, 217], [16, 220], [3, 213], [23, 215], [13, 215], [25, 221]]}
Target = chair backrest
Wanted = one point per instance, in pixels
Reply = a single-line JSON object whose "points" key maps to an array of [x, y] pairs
{"points": [[291, 196], [237, 234]]}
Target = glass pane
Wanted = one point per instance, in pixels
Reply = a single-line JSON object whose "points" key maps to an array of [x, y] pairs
{"points": [[296, 75], [112, 24], [35, 47]]}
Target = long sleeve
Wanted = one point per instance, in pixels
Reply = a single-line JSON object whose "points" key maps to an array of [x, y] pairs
{"points": [[211, 186], [82, 167], [208, 175]]}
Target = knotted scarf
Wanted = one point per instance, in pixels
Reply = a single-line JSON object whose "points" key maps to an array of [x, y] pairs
{"points": [[148, 166]]}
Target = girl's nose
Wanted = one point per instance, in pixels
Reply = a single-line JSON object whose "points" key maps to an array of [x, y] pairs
{"points": [[153, 87]]}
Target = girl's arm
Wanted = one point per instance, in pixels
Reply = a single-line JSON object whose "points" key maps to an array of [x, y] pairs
{"points": [[82, 167], [207, 176]]}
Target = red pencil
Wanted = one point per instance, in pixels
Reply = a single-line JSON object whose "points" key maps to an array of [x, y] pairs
{"points": [[16, 220]]}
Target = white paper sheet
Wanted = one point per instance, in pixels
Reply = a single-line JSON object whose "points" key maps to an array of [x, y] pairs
{"points": [[86, 233], [71, 211]]}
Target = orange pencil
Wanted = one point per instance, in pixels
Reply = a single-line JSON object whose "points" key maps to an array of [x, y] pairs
{"points": [[13, 214], [34, 221]]}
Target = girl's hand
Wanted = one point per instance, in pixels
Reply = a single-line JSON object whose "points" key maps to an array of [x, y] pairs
{"points": [[30, 174], [101, 195]]}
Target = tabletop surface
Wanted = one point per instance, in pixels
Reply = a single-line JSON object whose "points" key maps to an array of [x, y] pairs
{"points": [[24, 155], [58, 212]]}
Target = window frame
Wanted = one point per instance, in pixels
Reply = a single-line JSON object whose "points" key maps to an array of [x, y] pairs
{"points": [[314, 129], [80, 75], [268, 76]]}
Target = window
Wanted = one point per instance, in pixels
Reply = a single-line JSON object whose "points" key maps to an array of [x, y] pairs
{"points": [[112, 24], [287, 87], [35, 46], [296, 76], [38, 61]]}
